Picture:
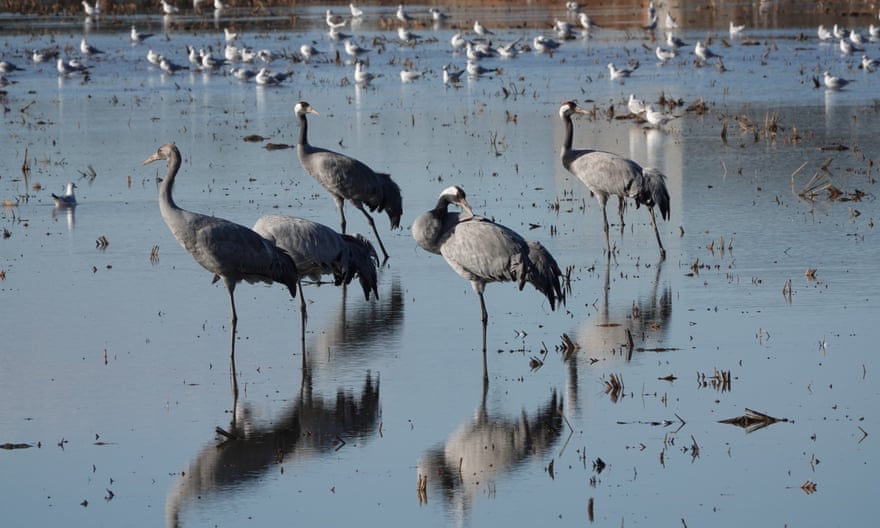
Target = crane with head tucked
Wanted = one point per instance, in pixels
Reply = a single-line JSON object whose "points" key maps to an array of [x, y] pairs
{"points": [[482, 251], [606, 174]]}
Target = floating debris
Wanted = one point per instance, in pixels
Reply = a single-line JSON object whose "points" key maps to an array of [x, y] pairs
{"points": [[102, 242], [277, 146], [10, 446], [254, 138], [809, 487], [753, 420]]}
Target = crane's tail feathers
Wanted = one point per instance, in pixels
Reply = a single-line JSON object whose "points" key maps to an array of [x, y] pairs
{"points": [[363, 262], [284, 270], [545, 275], [387, 198], [651, 190]]}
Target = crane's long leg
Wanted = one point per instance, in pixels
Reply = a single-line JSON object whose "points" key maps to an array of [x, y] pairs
{"points": [[484, 316], [375, 232], [233, 377], [340, 203], [302, 301], [605, 224], [621, 207], [657, 232], [485, 366]]}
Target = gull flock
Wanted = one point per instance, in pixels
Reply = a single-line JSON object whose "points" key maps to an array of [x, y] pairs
{"points": [[473, 42]]}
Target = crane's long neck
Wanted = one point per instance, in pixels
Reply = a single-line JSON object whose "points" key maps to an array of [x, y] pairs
{"points": [[303, 131], [166, 201], [569, 136]]}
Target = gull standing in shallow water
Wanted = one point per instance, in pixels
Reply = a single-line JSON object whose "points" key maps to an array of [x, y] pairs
{"points": [[833, 82], [605, 174], [230, 251], [347, 179], [68, 198]]}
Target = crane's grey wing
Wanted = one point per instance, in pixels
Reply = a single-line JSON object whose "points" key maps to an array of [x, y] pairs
{"points": [[236, 252], [314, 247], [483, 251], [604, 172]]}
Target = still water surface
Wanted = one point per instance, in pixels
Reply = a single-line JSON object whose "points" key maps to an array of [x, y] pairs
{"points": [[115, 368]]}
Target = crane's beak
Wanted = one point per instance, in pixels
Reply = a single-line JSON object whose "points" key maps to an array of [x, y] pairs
{"points": [[465, 206], [151, 159], [312, 111]]}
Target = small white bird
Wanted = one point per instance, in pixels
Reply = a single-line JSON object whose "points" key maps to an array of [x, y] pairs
{"points": [[361, 76], [138, 37], [839, 32], [67, 199], [232, 53], [437, 15], [636, 106], [848, 48], [308, 51], [356, 12], [409, 75], [703, 52], [481, 30], [407, 36], [572, 6], [736, 30], [68, 67], [243, 74], [170, 67], [337, 36], [652, 25], [88, 49], [266, 78], [475, 70], [543, 44], [673, 41], [402, 15], [614, 73], [210, 63], [153, 57], [873, 33], [824, 34], [168, 8], [353, 49], [665, 55], [586, 22], [39, 56], [671, 23], [219, 5], [833, 82], [509, 51], [474, 53], [229, 36], [869, 65], [450, 76], [458, 41], [656, 117], [8, 67], [334, 21], [92, 10]]}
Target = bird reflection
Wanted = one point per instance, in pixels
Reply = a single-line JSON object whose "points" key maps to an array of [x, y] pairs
{"points": [[617, 330], [68, 212], [311, 427], [356, 326], [485, 449]]}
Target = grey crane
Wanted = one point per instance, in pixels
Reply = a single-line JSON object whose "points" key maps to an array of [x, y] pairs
{"points": [[605, 173], [348, 179], [481, 251], [319, 250], [231, 251]]}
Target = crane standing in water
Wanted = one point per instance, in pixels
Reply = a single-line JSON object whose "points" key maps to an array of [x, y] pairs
{"points": [[348, 179], [605, 174], [229, 250]]}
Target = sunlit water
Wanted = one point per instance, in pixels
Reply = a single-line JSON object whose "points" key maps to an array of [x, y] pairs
{"points": [[115, 369]]}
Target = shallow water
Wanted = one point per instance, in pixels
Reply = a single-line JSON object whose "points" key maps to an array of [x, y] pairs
{"points": [[115, 368]]}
